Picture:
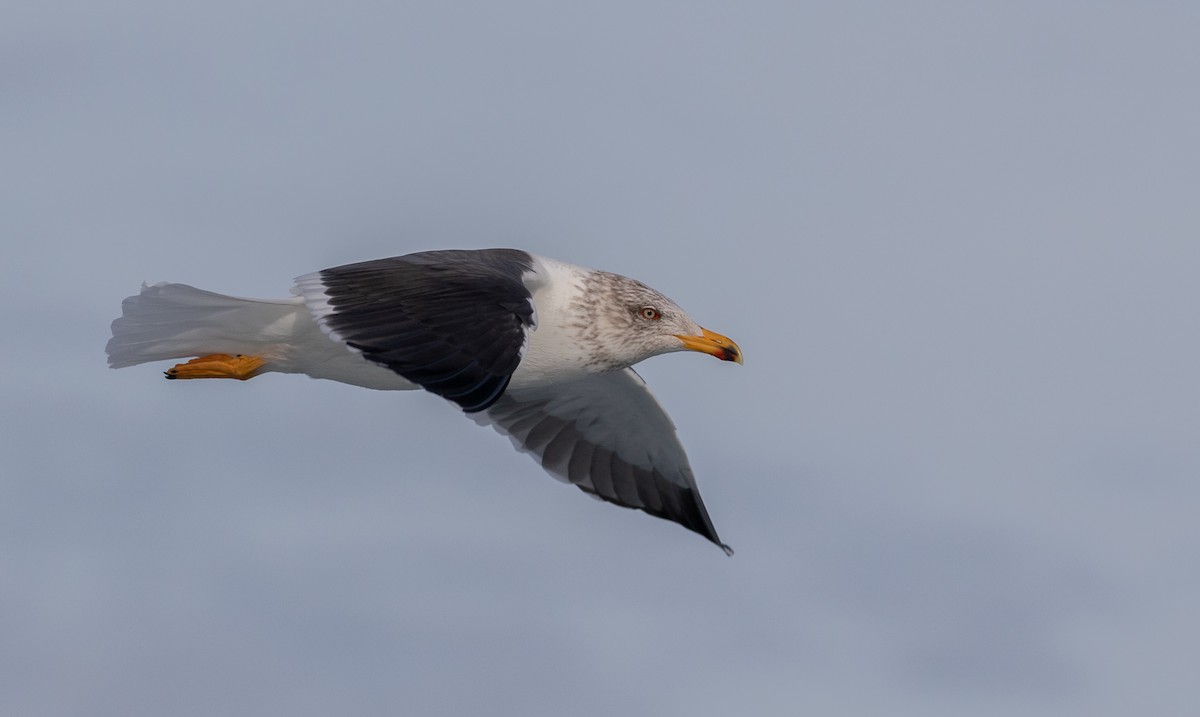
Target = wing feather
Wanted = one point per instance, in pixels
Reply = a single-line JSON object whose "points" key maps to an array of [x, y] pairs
{"points": [[607, 435], [453, 322]]}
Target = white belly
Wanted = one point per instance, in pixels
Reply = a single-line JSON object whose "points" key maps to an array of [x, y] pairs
{"points": [[310, 351]]}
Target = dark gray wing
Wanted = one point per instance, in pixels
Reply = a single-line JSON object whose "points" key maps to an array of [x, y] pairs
{"points": [[608, 435], [451, 321]]}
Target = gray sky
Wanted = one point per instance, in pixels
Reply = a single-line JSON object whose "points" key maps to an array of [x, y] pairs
{"points": [[956, 241]]}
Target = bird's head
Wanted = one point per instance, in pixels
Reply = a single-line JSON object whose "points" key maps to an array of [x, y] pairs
{"points": [[648, 324]]}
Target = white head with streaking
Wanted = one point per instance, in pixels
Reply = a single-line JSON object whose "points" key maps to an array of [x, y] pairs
{"points": [[537, 348], [597, 321]]}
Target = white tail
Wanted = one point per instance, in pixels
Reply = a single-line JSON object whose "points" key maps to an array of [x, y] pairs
{"points": [[170, 321]]}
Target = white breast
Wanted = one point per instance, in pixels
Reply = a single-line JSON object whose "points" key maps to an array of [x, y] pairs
{"points": [[553, 352]]}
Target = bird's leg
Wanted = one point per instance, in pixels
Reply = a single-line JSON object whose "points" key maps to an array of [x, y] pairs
{"points": [[241, 367]]}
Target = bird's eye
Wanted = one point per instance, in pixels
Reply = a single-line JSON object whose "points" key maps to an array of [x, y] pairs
{"points": [[650, 313]]}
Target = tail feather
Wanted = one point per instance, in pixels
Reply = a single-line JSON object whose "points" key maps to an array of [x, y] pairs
{"points": [[170, 321]]}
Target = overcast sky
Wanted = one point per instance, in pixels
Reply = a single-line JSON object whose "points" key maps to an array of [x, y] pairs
{"points": [[958, 242]]}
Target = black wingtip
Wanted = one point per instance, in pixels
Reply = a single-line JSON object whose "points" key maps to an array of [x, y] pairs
{"points": [[728, 550]]}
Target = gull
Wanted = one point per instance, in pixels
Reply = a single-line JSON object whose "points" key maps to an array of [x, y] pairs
{"points": [[539, 349]]}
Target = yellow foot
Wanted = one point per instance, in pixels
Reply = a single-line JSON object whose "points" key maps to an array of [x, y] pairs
{"points": [[240, 367]]}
